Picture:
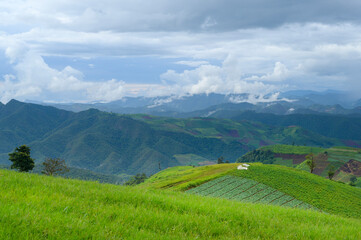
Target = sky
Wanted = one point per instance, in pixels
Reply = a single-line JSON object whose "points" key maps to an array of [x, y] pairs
{"points": [[101, 51]]}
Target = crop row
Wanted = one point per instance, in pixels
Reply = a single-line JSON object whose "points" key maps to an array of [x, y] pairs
{"points": [[211, 184], [243, 189]]}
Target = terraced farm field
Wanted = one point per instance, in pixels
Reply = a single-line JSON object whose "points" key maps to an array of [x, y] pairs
{"points": [[324, 195], [247, 190], [337, 158]]}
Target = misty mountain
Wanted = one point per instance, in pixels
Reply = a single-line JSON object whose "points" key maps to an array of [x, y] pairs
{"points": [[203, 105]]}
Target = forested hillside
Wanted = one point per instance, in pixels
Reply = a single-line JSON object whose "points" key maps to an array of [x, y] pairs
{"points": [[116, 144], [334, 126]]}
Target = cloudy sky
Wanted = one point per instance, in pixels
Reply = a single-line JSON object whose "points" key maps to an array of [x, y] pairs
{"points": [[85, 51]]}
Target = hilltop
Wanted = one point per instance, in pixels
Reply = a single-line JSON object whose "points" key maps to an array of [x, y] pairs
{"points": [[41, 207], [325, 195]]}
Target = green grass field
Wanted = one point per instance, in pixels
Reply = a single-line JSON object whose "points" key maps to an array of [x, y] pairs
{"points": [[280, 148], [41, 207], [328, 196], [185, 177]]}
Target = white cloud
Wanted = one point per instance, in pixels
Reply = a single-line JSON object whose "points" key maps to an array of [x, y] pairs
{"points": [[280, 73], [35, 79], [209, 79], [260, 52], [261, 98], [192, 63]]}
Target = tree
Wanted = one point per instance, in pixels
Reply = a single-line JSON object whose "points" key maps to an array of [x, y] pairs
{"points": [[310, 162], [136, 179], [331, 172], [353, 181], [220, 160], [54, 166], [21, 159]]}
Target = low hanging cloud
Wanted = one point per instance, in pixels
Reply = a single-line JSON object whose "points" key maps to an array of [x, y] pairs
{"points": [[220, 79]]}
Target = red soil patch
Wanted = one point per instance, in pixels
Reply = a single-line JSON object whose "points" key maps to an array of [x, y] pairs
{"points": [[321, 163], [352, 167]]}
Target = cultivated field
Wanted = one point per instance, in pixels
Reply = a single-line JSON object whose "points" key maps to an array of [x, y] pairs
{"points": [[247, 190]]}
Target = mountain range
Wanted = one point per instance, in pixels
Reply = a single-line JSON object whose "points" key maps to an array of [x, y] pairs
{"points": [[204, 105], [113, 143]]}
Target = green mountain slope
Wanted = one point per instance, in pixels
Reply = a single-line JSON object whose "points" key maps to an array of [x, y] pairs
{"points": [[22, 123], [100, 141], [334, 126], [116, 144], [252, 134], [41, 207], [325, 195]]}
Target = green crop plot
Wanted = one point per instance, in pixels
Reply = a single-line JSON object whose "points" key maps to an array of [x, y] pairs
{"points": [[247, 190], [279, 148]]}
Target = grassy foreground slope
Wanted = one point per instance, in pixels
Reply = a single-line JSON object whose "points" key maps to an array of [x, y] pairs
{"points": [[326, 195], [41, 207]]}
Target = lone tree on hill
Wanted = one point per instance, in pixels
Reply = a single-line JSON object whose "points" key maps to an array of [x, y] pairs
{"points": [[220, 160], [21, 159], [331, 172], [353, 181], [54, 166], [310, 161]]}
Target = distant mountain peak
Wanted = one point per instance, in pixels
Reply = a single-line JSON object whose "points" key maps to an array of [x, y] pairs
{"points": [[13, 102]]}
